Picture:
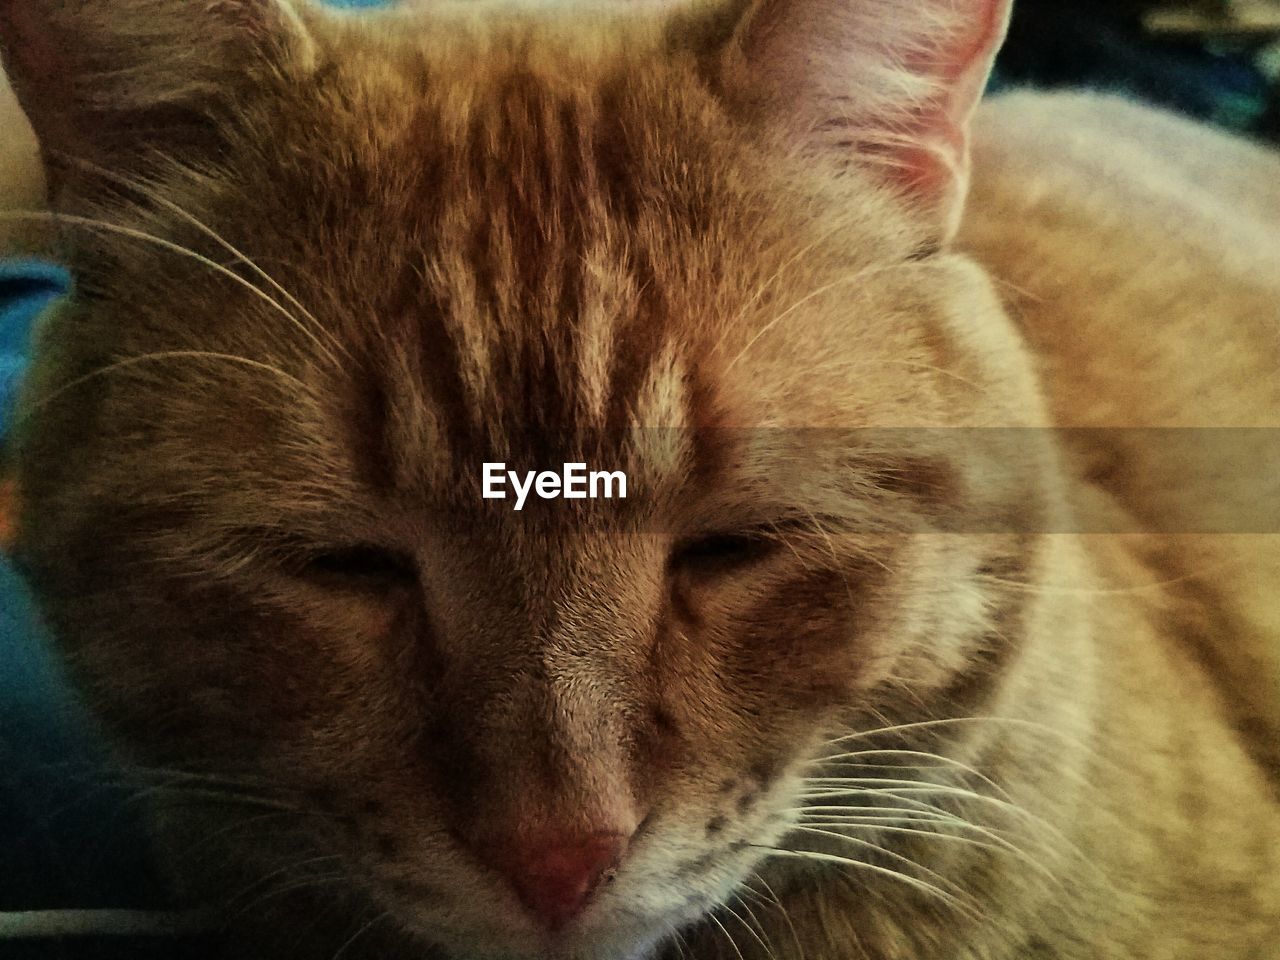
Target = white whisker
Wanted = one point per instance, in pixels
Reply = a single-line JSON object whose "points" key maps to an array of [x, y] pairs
{"points": [[727, 935], [360, 933], [141, 235], [910, 881], [1000, 845], [923, 754], [786, 914], [166, 355], [928, 725], [155, 196], [796, 305], [884, 851], [748, 927]]}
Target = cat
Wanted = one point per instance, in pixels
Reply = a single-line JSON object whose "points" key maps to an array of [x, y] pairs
{"points": [[870, 663]]}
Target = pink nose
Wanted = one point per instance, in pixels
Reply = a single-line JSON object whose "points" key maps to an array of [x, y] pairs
{"points": [[554, 876]]}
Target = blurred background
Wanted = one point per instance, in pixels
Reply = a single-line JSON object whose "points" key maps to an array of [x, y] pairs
{"points": [[1218, 60]]}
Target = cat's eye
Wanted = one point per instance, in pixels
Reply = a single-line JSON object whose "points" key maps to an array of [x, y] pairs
{"points": [[362, 565], [721, 552]]}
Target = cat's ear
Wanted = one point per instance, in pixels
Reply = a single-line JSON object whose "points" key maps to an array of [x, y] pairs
{"points": [[116, 80], [890, 84]]}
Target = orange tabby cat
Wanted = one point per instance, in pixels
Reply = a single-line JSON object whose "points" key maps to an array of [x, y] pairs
{"points": [[868, 664]]}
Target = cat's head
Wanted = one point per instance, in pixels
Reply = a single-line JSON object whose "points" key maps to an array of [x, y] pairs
{"points": [[329, 267]]}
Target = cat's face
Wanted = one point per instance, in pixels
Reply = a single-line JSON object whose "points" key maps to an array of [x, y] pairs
{"points": [[265, 547]]}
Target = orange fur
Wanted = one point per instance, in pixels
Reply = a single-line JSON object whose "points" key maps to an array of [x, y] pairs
{"points": [[680, 242]]}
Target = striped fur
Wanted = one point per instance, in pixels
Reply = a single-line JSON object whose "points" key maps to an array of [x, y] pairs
{"points": [[328, 266]]}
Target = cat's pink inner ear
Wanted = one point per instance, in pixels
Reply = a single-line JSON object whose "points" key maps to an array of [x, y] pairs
{"points": [[888, 84]]}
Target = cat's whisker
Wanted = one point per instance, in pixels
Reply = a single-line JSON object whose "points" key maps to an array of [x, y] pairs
{"points": [[920, 813], [363, 931], [1001, 846], [1020, 290], [922, 726], [750, 906], [165, 355], [244, 823], [90, 223], [206, 793], [776, 902], [250, 784], [137, 185], [750, 896], [893, 752], [837, 565], [877, 813], [904, 789], [883, 851], [943, 761], [797, 304], [763, 287], [913, 882], [896, 782], [228, 792], [316, 882], [677, 940], [1055, 589], [949, 374], [906, 795], [755, 935], [727, 935], [284, 871], [787, 542], [196, 797], [948, 768], [121, 773], [869, 765]]}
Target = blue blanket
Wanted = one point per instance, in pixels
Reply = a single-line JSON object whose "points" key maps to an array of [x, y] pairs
{"points": [[54, 853]]}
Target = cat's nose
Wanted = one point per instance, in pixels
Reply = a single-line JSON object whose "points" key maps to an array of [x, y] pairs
{"points": [[555, 875]]}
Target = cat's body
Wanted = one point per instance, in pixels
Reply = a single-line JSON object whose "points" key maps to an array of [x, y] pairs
{"points": [[1126, 242], [628, 244], [1129, 242]]}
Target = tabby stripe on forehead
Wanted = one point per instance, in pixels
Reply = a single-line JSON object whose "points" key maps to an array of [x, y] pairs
{"points": [[542, 250], [544, 286], [437, 364], [640, 342]]}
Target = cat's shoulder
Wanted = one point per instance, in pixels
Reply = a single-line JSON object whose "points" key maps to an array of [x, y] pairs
{"points": [[1139, 253], [1107, 145], [1111, 219]]}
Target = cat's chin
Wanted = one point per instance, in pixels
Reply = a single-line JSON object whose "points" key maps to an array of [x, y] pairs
{"points": [[632, 940], [636, 945]]}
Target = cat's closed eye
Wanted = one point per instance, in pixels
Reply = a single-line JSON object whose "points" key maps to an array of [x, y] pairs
{"points": [[362, 566], [722, 552]]}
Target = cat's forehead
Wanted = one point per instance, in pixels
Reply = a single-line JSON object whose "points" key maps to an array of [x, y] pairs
{"points": [[529, 263], [539, 253]]}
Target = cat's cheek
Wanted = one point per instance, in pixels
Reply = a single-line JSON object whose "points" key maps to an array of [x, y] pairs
{"points": [[799, 633], [298, 679]]}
